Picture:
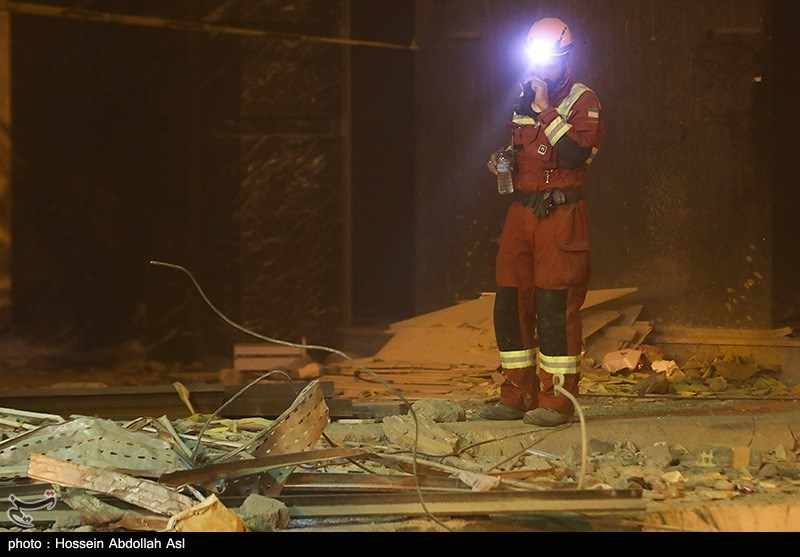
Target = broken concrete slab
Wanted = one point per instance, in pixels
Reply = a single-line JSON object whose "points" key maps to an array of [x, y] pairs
{"points": [[440, 411], [263, 514], [431, 439]]}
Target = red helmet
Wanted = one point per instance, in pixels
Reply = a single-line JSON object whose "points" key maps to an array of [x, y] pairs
{"points": [[548, 38]]}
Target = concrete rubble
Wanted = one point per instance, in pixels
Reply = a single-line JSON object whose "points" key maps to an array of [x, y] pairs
{"points": [[703, 443]]}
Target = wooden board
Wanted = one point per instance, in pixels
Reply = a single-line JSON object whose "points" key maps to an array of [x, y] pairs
{"points": [[480, 311], [264, 356], [442, 345], [595, 320]]}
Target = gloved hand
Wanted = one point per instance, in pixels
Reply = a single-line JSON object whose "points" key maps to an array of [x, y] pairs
{"points": [[524, 105], [544, 203]]}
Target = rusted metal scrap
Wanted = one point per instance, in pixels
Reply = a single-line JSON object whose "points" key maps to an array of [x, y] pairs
{"points": [[231, 470], [97, 442], [298, 429], [95, 512], [464, 504], [142, 493]]}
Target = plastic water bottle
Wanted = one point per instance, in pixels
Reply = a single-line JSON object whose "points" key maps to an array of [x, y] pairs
{"points": [[505, 184]]}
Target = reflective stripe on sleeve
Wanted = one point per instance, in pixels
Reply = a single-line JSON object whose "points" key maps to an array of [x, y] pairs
{"points": [[564, 365], [524, 120], [565, 107], [595, 150], [518, 359], [556, 130]]}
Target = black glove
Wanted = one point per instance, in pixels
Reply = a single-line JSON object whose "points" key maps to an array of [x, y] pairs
{"points": [[524, 105], [544, 203]]}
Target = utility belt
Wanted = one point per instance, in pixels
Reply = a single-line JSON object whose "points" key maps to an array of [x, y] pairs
{"points": [[542, 202]]}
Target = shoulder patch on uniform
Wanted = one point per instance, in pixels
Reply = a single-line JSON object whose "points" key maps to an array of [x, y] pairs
{"points": [[594, 113]]}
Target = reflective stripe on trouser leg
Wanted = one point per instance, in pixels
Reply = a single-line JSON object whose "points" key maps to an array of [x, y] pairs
{"points": [[521, 385], [562, 365], [554, 357]]}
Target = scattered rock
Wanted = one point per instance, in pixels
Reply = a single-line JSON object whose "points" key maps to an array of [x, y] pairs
{"points": [[596, 446], [440, 411], [69, 521], [779, 453], [657, 455], [724, 484], [767, 471], [717, 384], [263, 514]]}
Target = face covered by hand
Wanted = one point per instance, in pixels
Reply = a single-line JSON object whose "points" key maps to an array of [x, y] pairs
{"points": [[553, 73]]}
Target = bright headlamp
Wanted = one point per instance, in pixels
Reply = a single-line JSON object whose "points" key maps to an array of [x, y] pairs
{"points": [[540, 53]]}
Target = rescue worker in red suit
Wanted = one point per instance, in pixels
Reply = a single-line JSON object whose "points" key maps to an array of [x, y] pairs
{"points": [[543, 258]]}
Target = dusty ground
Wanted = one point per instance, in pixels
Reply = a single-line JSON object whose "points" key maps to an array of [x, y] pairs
{"points": [[612, 422]]}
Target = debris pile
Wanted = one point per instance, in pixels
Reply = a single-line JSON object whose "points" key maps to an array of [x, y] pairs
{"points": [[451, 354], [203, 473], [646, 371]]}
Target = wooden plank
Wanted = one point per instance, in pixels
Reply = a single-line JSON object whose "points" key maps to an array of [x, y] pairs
{"points": [[630, 314], [701, 334], [142, 493], [473, 311], [595, 320], [620, 333], [264, 356], [95, 512], [274, 407], [597, 297], [480, 310], [262, 364], [442, 345], [278, 389], [366, 410], [643, 329]]}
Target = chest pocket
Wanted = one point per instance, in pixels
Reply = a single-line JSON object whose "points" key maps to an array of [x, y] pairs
{"points": [[542, 149], [532, 141]]}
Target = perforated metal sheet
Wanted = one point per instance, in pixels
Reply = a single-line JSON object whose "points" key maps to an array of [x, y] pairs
{"points": [[298, 429], [96, 442]]}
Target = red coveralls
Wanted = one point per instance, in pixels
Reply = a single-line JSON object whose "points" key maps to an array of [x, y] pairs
{"points": [[543, 264]]}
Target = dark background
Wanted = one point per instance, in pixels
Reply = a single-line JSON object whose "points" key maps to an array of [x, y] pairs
{"points": [[309, 192]]}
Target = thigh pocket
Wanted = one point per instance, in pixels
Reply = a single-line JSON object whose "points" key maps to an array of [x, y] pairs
{"points": [[574, 259]]}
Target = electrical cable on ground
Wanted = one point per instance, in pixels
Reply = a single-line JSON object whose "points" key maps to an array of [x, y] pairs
{"points": [[558, 383], [323, 349]]}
